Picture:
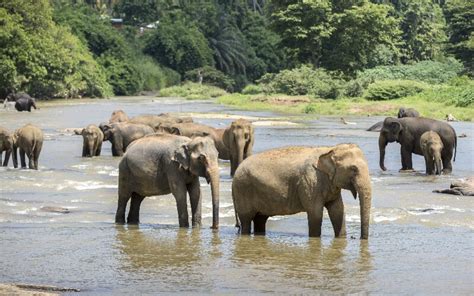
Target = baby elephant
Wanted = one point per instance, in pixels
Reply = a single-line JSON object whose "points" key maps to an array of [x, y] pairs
{"points": [[30, 141], [432, 146], [93, 138], [6, 144]]}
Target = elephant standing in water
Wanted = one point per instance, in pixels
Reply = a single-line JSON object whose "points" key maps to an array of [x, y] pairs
{"points": [[155, 121], [290, 180], [432, 146], [407, 131], [233, 143], [118, 116], [122, 134], [93, 138], [23, 101], [161, 164], [6, 144], [29, 139]]}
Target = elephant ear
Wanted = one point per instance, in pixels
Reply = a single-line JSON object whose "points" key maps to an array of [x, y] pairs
{"points": [[227, 137], [181, 156], [395, 127], [327, 164]]}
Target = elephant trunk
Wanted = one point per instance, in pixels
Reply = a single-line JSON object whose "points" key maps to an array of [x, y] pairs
{"points": [[90, 146], [214, 180], [382, 145], [364, 191], [438, 164]]}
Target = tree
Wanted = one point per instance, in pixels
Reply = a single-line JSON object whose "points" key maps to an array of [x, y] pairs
{"points": [[460, 19], [361, 33]]}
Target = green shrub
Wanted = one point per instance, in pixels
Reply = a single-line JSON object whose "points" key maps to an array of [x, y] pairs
{"points": [[192, 91], [252, 89], [211, 76], [393, 89], [304, 80], [122, 75], [426, 71]]}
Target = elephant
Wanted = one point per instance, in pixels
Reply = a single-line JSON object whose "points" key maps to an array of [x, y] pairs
{"points": [[93, 138], [289, 180], [461, 187], [432, 147], [6, 144], [238, 139], [407, 131], [191, 129], [118, 116], [160, 164], [122, 134], [402, 112], [23, 101], [155, 121], [29, 139], [407, 112]]}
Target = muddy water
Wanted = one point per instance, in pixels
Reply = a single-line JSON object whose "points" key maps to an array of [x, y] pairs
{"points": [[420, 242]]}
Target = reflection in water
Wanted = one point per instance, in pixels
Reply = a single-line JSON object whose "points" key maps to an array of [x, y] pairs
{"points": [[308, 265]]}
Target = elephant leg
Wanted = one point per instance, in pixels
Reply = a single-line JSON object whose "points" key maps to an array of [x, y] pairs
{"points": [[99, 149], [1, 153], [245, 223], [22, 158], [259, 223], [84, 150], [194, 190], [315, 219], [406, 158], [336, 214], [123, 198], [7, 158], [446, 158], [178, 189], [31, 161], [429, 169], [134, 213]]}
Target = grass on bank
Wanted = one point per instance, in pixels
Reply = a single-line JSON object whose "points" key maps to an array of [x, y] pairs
{"points": [[435, 102]]}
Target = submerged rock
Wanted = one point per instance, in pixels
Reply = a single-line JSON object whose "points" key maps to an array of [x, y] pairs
{"points": [[60, 210]]}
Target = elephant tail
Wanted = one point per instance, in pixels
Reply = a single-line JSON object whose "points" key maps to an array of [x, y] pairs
{"points": [[455, 146], [33, 148]]}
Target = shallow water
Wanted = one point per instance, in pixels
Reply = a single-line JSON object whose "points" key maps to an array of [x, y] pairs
{"points": [[420, 242]]}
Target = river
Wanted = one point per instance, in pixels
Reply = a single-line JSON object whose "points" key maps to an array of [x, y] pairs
{"points": [[420, 242]]}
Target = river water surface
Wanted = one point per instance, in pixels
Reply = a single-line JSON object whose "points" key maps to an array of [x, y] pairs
{"points": [[420, 242]]}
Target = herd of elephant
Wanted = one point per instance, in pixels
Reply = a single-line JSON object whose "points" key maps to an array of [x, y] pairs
{"points": [[164, 154]]}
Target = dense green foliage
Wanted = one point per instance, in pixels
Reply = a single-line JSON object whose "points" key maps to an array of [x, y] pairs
{"points": [[393, 89], [193, 91], [211, 76]]}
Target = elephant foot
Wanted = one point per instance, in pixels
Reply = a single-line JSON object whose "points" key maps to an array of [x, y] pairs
{"points": [[406, 171], [446, 171]]}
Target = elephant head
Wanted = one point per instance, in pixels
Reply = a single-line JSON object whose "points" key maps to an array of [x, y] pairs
{"points": [[91, 135], [118, 116], [106, 129], [390, 132], [239, 139], [346, 168], [432, 146], [199, 156]]}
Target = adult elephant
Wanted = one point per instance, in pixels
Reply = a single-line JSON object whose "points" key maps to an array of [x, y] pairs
{"points": [[118, 116], [122, 134], [155, 121], [191, 129], [290, 180], [238, 139], [407, 112], [163, 164], [23, 101], [29, 139], [402, 112], [92, 140], [6, 144], [407, 131]]}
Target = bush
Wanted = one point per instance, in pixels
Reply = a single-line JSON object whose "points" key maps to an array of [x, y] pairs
{"points": [[393, 89], [211, 76], [426, 71], [252, 89], [304, 80], [122, 75], [193, 91]]}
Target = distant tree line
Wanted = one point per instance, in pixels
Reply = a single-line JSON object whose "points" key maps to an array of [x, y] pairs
{"points": [[67, 48]]}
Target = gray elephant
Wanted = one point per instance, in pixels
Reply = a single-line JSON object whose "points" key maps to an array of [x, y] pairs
{"points": [[161, 164], [155, 121], [290, 180], [432, 147], [23, 101], [460, 187], [238, 139], [29, 139], [118, 116], [402, 112], [407, 112], [121, 134], [191, 129], [92, 140], [6, 144], [407, 131]]}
